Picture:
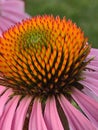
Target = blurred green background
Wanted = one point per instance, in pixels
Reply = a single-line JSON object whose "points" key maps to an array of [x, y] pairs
{"points": [[83, 12]]}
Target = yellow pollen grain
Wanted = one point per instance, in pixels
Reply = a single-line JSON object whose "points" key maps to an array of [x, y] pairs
{"points": [[25, 79], [66, 76], [39, 77], [44, 80], [53, 71], [39, 68], [56, 65], [33, 80], [75, 72], [43, 64], [77, 65], [54, 53], [45, 59], [49, 75], [31, 67], [61, 70], [15, 74], [34, 72], [39, 58], [48, 52], [58, 59], [56, 80], [48, 67], [43, 72], [51, 60]]}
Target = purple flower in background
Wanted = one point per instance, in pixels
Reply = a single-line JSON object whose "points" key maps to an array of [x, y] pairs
{"points": [[11, 12], [48, 77]]}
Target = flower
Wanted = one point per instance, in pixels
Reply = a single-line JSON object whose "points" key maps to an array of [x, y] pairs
{"points": [[48, 77], [11, 12]]}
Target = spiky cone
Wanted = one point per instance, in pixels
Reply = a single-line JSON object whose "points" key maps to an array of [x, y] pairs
{"points": [[43, 64]]}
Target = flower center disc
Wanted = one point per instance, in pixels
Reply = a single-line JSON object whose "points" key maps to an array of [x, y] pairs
{"points": [[42, 56]]}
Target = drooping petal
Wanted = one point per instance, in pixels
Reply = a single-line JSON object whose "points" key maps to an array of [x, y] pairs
{"points": [[91, 74], [51, 115], [8, 105], [91, 80], [93, 88], [87, 104], [77, 121], [90, 83], [7, 117], [94, 52], [18, 121], [11, 12], [8, 16], [36, 119], [13, 7], [94, 63], [4, 24], [94, 58], [3, 99], [14, 4], [90, 93], [95, 68], [2, 89]]}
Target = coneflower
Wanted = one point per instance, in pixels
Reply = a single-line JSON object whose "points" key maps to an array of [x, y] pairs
{"points": [[48, 77]]}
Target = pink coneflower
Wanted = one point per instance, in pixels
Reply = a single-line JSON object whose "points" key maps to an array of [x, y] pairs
{"points": [[11, 11], [48, 77]]}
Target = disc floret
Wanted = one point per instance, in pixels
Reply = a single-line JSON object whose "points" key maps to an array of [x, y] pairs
{"points": [[43, 56]]}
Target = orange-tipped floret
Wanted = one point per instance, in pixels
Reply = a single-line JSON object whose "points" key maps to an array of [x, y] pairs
{"points": [[43, 54]]}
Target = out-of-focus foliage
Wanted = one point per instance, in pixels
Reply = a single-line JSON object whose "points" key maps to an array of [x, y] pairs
{"points": [[84, 13]]}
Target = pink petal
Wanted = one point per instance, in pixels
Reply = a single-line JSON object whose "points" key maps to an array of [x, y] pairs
{"points": [[90, 93], [13, 17], [94, 63], [15, 5], [36, 119], [11, 12], [3, 99], [95, 68], [4, 25], [18, 121], [2, 89], [6, 22], [94, 56], [94, 51], [7, 117], [92, 87], [87, 104], [91, 80], [1, 32], [51, 115], [7, 106], [77, 121], [91, 74], [90, 83]]}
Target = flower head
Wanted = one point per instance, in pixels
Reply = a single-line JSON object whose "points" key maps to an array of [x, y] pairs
{"points": [[11, 12], [45, 71]]}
